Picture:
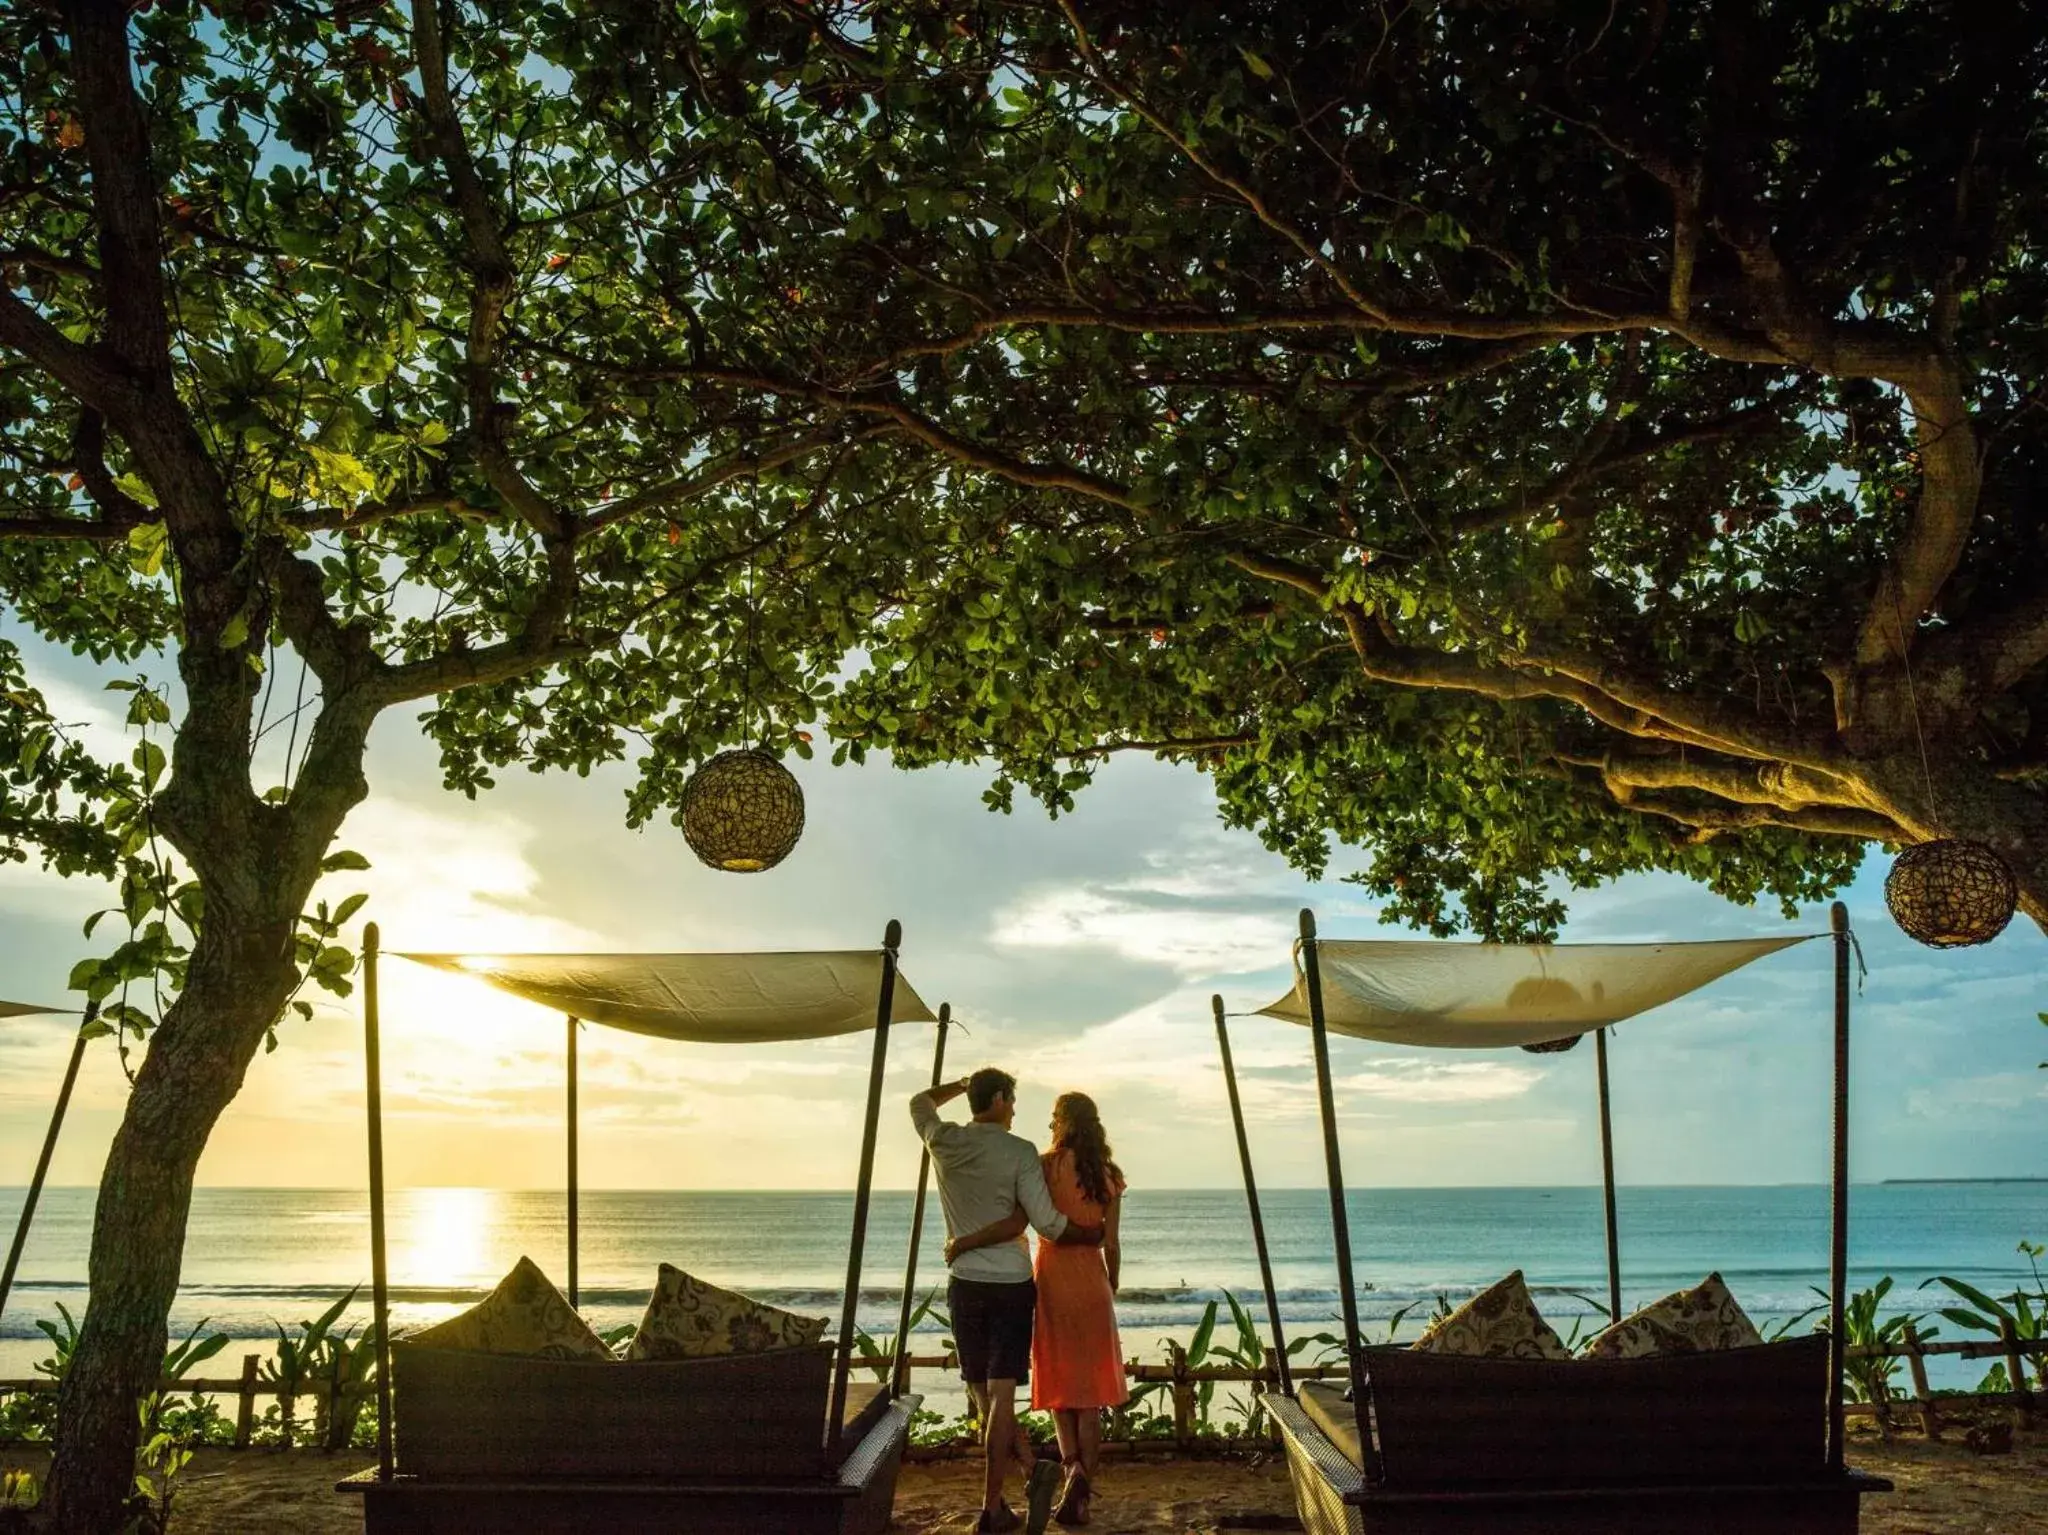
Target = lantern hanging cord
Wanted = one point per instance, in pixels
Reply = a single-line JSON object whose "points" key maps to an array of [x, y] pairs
{"points": [[1913, 703], [1862, 969]]}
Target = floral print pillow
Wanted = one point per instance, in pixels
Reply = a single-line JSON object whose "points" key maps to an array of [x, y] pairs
{"points": [[1695, 1321], [1500, 1322], [526, 1315], [688, 1318]]}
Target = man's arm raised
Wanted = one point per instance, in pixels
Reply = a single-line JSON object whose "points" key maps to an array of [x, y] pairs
{"points": [[924, 1107]]}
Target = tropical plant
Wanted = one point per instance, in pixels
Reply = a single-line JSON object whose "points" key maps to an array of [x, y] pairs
{"points": [[1868, 1377], [160, 1459], [19, 1488], [316, 1358], [2024, 1312]]}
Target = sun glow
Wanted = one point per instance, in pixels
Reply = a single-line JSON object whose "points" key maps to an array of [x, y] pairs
{"points": [[444, 1236]]}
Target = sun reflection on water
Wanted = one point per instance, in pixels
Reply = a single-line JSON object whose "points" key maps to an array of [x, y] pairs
{"points": [[442, 1236]]}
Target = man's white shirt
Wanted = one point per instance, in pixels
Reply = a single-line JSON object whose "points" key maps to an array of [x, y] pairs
{"points": [[985, 1172]]}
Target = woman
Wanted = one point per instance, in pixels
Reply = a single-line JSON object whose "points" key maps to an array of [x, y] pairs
{"points": [[1077, 1362]]}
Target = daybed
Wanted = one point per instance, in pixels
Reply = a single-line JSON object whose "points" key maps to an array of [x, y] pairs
{"points": [[728, 1443], [1726, 1442], [776, 1442], [1732, 1441]]}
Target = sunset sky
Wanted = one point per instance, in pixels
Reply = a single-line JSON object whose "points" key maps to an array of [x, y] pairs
{"points": [[1078, 953]]}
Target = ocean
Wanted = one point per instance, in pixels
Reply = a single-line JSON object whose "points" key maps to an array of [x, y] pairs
{"points": [[257, 1258]]}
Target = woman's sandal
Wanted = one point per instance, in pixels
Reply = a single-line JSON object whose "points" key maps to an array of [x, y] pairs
{"points": [[1074, 1499]]}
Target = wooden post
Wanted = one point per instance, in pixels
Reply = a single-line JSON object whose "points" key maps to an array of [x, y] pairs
{"points": [[885, 1009], [899, 1376], [380, 1278], [245, 1402], [35, 1183], [1183, 1397], [1923, 1399], [2015, 1366], [1251, 1199], [1340, 1220], [1838, 1197], [573, 1292], [1607, 1179]]}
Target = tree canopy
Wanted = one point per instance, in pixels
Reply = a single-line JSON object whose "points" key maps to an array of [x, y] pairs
{"points": [[1520, 444], [1523, 444]]}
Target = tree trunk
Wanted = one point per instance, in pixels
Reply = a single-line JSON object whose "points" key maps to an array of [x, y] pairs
{"points": [[240, 976]]}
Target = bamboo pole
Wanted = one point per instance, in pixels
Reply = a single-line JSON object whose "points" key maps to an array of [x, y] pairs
{"points": [[1923, 1399], [1607, 1179], [380, 1280], [35, 1183], [1838, 1196], [899, 1376], [885, 1008], [245, 1402], [1251, 1199], [1340, 1221], [574, 1297]]}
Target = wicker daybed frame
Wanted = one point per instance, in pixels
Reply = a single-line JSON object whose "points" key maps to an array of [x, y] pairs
{"points": [[775, 1443], [1729, 1443]]}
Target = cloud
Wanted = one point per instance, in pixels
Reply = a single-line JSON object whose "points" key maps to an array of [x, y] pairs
{"points": [[1999, 1091], [1189, 941], [1428, 1081]]}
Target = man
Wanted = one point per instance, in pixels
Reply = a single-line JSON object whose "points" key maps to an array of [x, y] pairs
{"points": [[986, 1173]]}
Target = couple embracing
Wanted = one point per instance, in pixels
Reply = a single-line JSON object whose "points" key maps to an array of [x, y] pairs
{"points": [[1052, 1324]]}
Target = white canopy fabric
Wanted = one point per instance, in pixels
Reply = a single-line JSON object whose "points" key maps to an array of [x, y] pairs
{"points": [[1482, 996], [712, 998]]}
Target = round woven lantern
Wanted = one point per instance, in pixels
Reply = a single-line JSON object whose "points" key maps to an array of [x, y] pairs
{"points": [[742, 812], [1951, 893], [1554, 1046]]}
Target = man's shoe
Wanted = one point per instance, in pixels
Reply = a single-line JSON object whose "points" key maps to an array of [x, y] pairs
{"points": [[1043, 1482], [1000, 1522]]}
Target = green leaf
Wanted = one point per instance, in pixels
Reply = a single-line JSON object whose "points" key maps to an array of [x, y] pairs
{"points": [[1255, 64], [335, 862]]}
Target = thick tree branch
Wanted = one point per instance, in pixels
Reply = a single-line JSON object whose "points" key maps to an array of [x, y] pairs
{"points": [[1950, 479], [491, 273], [1708, 821], [1774, 785], [124, 194], [83, 372], [1993, 652]]}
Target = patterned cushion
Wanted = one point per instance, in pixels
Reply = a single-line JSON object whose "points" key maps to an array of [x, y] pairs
{"points": [[687, 1319], [524, 1315], [1694, 1321], [1500, 1322]]}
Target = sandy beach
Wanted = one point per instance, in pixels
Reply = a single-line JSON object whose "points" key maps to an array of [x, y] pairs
{"points": [[1944, 1488]]}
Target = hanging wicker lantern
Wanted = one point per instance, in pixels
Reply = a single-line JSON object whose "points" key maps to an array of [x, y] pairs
{"points": [[1951, 893], [742, 812], [1554, 1046]]}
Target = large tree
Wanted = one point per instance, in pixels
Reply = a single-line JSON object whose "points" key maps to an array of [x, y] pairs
{"points": [[295, 429], [1527, 442]]}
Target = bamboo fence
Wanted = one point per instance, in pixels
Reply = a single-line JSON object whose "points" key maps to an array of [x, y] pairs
{"points": [[1184, 1382]]}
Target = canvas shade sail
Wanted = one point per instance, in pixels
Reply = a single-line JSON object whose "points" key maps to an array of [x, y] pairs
{"points": [[28, 1009], [1483, 996], [711, 998]]}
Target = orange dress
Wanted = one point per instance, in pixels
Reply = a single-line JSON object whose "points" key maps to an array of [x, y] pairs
{"points": [[1077, 1360]]}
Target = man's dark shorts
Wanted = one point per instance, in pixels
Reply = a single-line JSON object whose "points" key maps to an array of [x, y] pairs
{"points": [[992, 1328]]}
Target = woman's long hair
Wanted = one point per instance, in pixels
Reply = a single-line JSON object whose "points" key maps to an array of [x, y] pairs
{"points": [[1077, 1127]]}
